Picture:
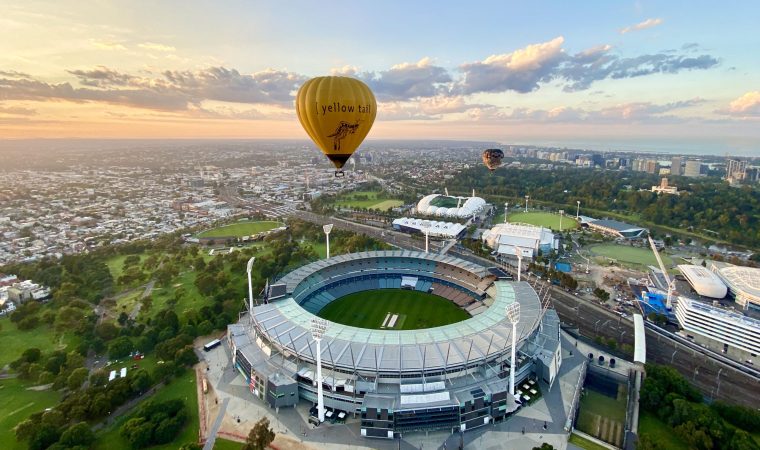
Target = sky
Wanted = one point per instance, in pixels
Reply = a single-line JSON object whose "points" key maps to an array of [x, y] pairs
{"points": [[612, 73]]}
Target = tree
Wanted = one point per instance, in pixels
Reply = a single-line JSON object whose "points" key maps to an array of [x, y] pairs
{"points": [[138, 432], [77, 435], [76, 378], [544, 446], [119, 347], [260, 436]]}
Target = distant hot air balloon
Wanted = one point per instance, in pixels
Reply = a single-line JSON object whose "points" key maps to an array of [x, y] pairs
{"points": [[492, 158], [337, 113]]}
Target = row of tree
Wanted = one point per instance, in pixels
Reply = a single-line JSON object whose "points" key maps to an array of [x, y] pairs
{"points": [[666, 394]]}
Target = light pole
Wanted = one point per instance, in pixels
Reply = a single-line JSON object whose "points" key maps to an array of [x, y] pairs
{"points": [[327, 229], [561, 213], [248, 269], [513, 315], [717, 393], [426, 229], [318, 328], [526, 202], [577, 209], [506, 211]]}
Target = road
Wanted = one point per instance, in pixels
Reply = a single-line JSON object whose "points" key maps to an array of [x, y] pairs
{"points": [[715, 378]]}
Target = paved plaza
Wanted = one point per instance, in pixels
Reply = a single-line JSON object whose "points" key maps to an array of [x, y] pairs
{"points": [[229, 395]]}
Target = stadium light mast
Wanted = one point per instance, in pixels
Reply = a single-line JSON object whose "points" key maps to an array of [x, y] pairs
{"points": [[426, 229], [526, 202], [513, 315], [318, 329], [561, 213], [248, 269], [327, 229], [506, 211], [577, 209]]}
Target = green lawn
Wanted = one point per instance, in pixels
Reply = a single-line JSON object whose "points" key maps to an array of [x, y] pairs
{"points": [[660, 432], [183, 388], [240, 229], [374, 200], [540, 219], [585, 443], [16, 341], [627, 254], [602, 417], [116, 264], [368, 309], [224, 444], [17, 404]]}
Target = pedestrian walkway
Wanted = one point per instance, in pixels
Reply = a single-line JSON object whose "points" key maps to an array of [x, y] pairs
{"points": [[209, 445]]}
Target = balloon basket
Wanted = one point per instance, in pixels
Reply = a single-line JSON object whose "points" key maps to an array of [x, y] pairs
{"points": [[340, 174]]}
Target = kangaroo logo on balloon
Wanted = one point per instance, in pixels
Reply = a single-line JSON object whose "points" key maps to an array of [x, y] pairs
{"points": [[343, 130]]}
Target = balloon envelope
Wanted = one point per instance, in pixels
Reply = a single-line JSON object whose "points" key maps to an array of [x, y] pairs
{"points": [[492, 158], [337, 113]]}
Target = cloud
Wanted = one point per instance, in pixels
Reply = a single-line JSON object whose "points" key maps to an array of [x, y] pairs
{"points": [[624, 113], [156, 47], [748, 105], [14, 74], [106, 45], [649, 23], [406, 81], [17, 111], [169, 91], [526, 69], [519, 71]]}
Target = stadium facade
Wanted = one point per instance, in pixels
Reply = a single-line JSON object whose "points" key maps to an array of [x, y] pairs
{"points": [[436, 229], [617, 229], [507, 238], [453, 377], [449, 206]]}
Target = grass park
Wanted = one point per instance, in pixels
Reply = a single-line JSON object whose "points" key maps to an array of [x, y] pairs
{"points": [[660, 432], [539, 219], [368, 309], [628, 254], [602, 416], [240, 229], [18, 403], [367, 199]]}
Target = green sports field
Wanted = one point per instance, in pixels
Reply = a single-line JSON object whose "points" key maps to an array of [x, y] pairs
{"points": [[367, 199], [240, 229], [627, 254], [540, 219], [415, 310]]}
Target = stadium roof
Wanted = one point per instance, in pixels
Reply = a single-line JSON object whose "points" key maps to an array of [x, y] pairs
{"points": [[470, 206], [294, 278], [618, 226], [443, 229], [703, 281], [287, 324], [743, 281]]}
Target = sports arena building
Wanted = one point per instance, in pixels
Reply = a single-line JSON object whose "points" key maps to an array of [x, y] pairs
{"points": [[743, 282], [703, 281], [449, 206], [452, 377], [436, 229], [507, 238]]}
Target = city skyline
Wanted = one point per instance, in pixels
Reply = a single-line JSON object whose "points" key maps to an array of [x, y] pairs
{"points": [[611, 74]]}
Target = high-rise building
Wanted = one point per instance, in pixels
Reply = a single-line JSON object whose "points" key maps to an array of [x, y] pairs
{"points": [[735, 170], [675, 165], [652, 166], [694, 169]]}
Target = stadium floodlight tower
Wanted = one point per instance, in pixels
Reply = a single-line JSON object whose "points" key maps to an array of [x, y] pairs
{"points": [[527, 197], [577, 209], [248, 269], [327, 229], [506, 211], [318, 329], [513, 315], [561, 213], [426, 230]]}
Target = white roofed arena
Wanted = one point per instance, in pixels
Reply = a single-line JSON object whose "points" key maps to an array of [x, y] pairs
{"points": [[398, 380], [449, 206]]}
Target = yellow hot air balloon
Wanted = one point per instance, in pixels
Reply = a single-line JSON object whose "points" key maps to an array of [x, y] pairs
{"points": [[337, 113]]}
